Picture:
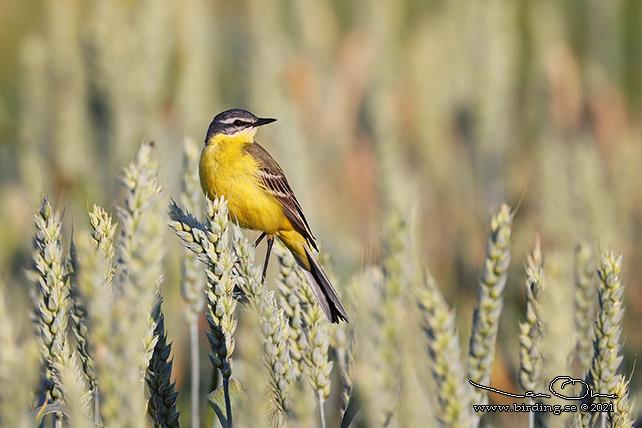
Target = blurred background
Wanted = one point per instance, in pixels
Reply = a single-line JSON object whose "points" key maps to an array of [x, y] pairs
{"points": [[442, 109]]}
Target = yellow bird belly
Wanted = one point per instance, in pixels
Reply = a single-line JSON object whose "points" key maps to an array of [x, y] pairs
{"points": [[227, 170]]}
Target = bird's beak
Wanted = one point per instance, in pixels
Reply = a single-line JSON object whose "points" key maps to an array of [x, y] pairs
{"points": [[263, 121]]}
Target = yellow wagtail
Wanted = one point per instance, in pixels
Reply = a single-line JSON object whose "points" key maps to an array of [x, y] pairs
{"points": [[259, 197]]}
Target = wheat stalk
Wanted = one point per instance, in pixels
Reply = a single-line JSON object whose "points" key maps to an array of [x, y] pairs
{"points": [[210, 244], [622, 416], [315, 329], [288, 283], [51, 298], [80, 328], [343, 345], [19, 361], [193, 281], [490, 301], [444, 352], [162, 401], [530, 331], [584, 268], [94, 287], [603, 374], [121, 314], [275, 331]]}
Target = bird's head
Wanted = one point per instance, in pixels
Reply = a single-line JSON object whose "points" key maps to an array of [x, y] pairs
{"points": [[235, 123]]}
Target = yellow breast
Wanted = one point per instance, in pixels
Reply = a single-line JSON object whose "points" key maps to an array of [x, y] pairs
{"points": [[226, 169]]}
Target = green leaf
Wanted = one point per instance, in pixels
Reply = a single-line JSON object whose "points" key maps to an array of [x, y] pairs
{"points": [[216, 399]]}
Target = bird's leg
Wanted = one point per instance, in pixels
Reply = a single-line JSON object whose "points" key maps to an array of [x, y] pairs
{"points": [[259, 239], [270, 241]]}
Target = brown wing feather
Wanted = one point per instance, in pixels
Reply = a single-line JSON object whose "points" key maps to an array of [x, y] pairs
{"points": [[273, 180]]}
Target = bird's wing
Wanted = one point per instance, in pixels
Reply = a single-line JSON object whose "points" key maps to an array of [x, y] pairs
{"points": [[273, 181]]}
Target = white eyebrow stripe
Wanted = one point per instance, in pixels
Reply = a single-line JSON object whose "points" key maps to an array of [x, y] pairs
{"points": [[230, 120]]}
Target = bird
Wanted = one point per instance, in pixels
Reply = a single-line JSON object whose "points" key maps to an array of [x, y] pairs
{"points": [[232, 165]]}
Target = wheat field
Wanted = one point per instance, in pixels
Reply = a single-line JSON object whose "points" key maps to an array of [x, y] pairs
{"points": [[470, 169]]}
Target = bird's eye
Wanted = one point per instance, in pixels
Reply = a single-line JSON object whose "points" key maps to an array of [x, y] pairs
{"points": [[238, 122]]}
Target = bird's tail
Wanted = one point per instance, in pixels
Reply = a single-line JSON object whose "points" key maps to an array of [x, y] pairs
{"points": [[314, 275], [322, 288]]}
